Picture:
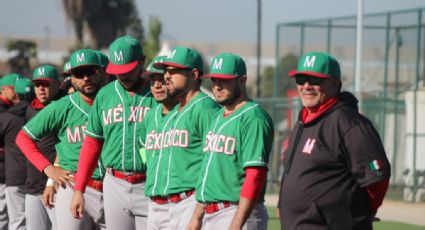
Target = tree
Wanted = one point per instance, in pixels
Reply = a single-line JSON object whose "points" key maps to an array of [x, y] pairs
{"points": [[25, 51], [287, 63], [104, 20], [151, 45]]}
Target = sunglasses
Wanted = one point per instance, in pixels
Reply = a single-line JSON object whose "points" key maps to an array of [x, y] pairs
{"points": [[41, 83], [302, 79], [155, 80], [81, 73]]}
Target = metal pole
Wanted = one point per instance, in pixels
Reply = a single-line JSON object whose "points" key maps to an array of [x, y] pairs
{"points": [[258, 47], [359, 44], [277, 69]]}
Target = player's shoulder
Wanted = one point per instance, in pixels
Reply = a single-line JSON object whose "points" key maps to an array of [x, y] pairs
{"points": [[62, 102], [205, 101], [106, 89]]}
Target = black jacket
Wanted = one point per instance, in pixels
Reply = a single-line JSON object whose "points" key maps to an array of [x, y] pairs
{"points": [[328, 164], [3, 108], [36, 181], [15, 162]]}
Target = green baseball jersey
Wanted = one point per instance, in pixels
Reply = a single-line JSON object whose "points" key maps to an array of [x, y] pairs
{"points": [[184, 143], [67, 119], [242, 139], [157, 130], [116, 118]]}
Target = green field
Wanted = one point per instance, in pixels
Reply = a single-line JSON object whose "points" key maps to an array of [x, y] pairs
{"points": [[382, 225]]}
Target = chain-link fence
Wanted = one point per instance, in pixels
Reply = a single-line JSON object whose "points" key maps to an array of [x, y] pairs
{"points": [[392, 85]]}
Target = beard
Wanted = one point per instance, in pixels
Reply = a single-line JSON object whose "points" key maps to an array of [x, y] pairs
{"points": [[88, 92], [232, 98]]}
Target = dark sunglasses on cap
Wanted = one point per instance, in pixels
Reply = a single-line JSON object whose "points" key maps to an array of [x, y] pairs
{"points": [[81, 73], [302, 79]]}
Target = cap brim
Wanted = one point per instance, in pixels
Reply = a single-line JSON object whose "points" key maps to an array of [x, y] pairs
{"points": [[163, 65], [148, 74], [42, 79], [120, 69], [221, 76], [294, 73], [84, 66]]}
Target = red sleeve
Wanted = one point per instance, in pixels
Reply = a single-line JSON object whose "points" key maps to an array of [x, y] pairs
{"points": [[31, 151], [254, 182], [377, 193], [87, 162]]}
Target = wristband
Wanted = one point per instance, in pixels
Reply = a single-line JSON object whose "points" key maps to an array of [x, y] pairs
{"points": [[50, 182]]}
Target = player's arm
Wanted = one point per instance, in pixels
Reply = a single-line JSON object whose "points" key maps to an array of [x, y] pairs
{"points": [[196, 221], [29, 148], [89, 155], [250, 192]]}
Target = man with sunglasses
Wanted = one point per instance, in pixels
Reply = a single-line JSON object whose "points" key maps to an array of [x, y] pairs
{"points": [[113, 133], [66, 119], [160, 118], [336, 171], [231, 186], [45, 80], [183, 137]]}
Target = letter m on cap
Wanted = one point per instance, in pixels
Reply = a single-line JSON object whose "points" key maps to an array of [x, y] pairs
{"points": [[81, 57], [217, 63], [309, 61], [41, 72], [118, 56], [171, 54]]}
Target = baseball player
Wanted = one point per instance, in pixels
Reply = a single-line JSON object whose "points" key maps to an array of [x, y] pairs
{"points": [[236, 150], [183, 137], [114, 124], [8, 95], [45, 80], [160, 118], [15, 162], [67, 119]]}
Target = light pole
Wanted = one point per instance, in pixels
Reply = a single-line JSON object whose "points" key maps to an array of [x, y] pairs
{"points": [[258, 47]]}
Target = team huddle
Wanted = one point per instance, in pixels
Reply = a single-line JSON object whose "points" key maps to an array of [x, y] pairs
{"points": [[145, 148]]}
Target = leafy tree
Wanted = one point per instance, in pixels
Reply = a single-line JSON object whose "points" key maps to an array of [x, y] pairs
{"points": [[25, 51], [287, 63], [151, 46], [104, 20]]}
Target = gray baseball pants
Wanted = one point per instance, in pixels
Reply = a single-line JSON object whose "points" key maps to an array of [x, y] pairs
{"points": [[4, 219], [39, 217], [15, 199], [93, 216], [223, 218], [126, 206], [158, 216]]}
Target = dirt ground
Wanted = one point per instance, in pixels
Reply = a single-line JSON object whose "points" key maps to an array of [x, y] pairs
{"points": [[412, 213]]}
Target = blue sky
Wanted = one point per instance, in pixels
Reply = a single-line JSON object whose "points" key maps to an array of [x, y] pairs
{"points": [[195, 20]]}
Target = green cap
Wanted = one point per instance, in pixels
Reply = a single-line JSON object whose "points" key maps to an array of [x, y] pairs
{"points": [[66, 69], [124, 55], [10, 79], [103, 59], [317, 64], [84, 57], [227, 66], [151, 69], [182, 57], [23, 86], [45, 73]]}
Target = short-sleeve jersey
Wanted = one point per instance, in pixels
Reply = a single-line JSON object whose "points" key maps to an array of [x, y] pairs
{"points": [[116, 118], [184, 141], [67, 119], [242, 139], [156, 129]]}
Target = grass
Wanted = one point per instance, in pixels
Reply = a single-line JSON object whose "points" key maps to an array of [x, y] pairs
{"points": [[274, 224]]}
